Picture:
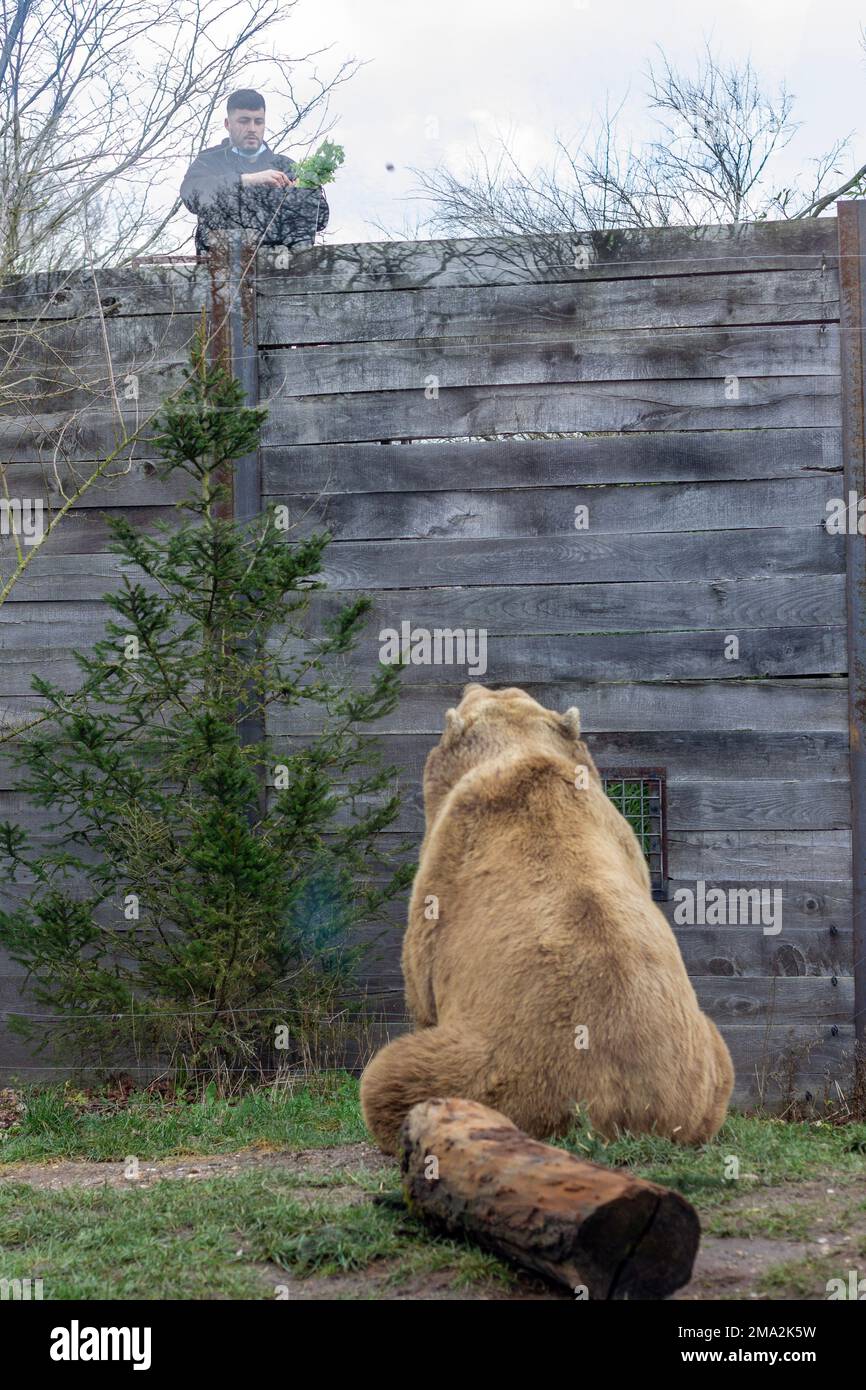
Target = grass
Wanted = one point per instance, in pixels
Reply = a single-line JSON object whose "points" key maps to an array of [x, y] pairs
{"points": [[787, 1222], [767, 1151], [810, 1277], [347, 1240], [233, 1235], [322, 1112], [56, 1125]]}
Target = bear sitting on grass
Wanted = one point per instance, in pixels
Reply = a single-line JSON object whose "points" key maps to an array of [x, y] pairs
{"points": [[539, 972]]}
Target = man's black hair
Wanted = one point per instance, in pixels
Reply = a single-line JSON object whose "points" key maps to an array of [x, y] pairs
{"points": [[246, 100]]}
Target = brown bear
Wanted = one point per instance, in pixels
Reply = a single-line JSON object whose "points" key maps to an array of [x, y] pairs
{"points": [[539, 973]]}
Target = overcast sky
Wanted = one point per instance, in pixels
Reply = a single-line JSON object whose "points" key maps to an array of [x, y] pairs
{"points": [[470, 68]]}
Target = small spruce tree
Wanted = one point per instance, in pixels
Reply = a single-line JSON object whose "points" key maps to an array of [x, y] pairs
{"points": [[174, 909]]}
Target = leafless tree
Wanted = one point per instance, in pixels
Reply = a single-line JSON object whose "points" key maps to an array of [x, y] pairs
{"points": [[101, 103], [713, 158]]}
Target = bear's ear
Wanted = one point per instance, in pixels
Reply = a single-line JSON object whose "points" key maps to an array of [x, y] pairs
{"points": [[571, 720], [454, 726]]}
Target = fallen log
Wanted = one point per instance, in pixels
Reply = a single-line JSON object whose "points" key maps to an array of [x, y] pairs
{"points": [[469, 1172]]}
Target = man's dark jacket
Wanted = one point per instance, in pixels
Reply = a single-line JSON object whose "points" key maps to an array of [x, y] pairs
{"points": [[212, 189]]}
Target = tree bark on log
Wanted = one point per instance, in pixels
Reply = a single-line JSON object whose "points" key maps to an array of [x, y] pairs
{"points": [[468, 1171]]}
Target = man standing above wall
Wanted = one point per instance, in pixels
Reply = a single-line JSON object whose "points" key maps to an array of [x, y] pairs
{"points": [[242, 183]]}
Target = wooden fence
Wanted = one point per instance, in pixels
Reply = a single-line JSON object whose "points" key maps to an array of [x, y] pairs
{"points": [[612, 455]]}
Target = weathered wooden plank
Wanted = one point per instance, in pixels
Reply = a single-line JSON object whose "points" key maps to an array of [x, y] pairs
{"points": [[78, 568], [765, 806], [511, 462], [584, 459], [93, 390], [68, 362], [743, 952], [729, 953], [790, 1062], [815, 917], [126, 484], [645, 354], [779, 1000], [464, 411], [760, 804], [17, 807], [71, 440], [816, 939], [661, 656], [759, 856], [818, 706], [39, 639], [18, 1059], [684, 755], [796, 601], [809, 907], [583, 557], [713, 804], [458, 413], [61, 626], [183, 287], [623, 253], [599, 510], [753, 857], [524, 310], [19, 671], [641, 656], [85, 531], [68, 578]]}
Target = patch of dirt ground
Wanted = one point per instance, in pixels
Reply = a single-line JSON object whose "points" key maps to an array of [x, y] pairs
{"points": [[833, 1213], [375, 1283], [769, 1226], [310, 1162]]}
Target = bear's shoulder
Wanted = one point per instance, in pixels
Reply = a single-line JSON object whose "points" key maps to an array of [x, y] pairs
{"points": [[513, 782]]}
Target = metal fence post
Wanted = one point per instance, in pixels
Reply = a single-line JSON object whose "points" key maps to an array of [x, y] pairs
{"points": [[852, 284]]}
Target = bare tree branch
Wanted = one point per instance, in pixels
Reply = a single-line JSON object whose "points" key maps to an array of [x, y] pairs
{"points": [[101, 101], [712, 159]]}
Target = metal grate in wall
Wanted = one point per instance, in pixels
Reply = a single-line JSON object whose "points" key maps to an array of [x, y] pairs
{"points": [[640, 794]]}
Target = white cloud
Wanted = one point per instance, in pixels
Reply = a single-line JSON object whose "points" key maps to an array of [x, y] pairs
{"points": [[478, 67]]}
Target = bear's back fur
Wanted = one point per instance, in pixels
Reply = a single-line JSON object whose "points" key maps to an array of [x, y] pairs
{"points": [[540, 974]]}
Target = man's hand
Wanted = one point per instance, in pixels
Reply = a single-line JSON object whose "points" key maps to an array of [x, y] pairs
{"points": [[270, 178]]}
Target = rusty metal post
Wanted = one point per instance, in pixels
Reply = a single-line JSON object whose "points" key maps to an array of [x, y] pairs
{"points": [[852, 284], [234, 339]]}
